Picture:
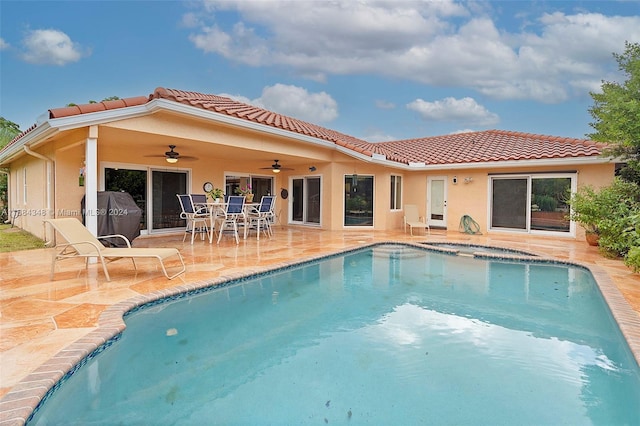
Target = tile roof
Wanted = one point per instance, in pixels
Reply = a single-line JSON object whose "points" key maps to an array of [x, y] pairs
{"points": [[262, 116], [97, 106], [462, 148], [487, 146]]}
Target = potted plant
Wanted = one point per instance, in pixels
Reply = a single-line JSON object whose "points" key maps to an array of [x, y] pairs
{"points": [[588, 211], [216, 194], [246, 191]]}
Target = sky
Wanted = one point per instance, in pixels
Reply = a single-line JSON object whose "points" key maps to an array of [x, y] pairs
{"points": [[376, 70]]}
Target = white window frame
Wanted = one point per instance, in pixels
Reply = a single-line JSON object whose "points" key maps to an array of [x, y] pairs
{"points": [[396, 188], [530, 176]]}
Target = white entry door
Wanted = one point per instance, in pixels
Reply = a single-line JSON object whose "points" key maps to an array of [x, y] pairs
{"points": [[437, 201]]}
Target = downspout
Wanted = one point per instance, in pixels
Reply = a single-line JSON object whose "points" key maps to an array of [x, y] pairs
{"points": [[51, 164]]}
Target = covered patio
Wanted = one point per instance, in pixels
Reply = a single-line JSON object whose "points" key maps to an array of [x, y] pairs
{"points": [[40, 317]]}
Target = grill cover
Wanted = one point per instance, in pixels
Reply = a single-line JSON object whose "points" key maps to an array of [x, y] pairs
{"points": [[117, 214]]}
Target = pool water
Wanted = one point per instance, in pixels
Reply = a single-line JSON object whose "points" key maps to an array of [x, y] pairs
{"points": [[388, 335]]}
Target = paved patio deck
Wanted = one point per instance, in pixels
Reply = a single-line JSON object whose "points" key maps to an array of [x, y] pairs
{"points": [[39, 318]]}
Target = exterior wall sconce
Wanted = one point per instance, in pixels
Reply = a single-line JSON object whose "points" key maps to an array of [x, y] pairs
{"points": [[454, 180], [312, 168]]}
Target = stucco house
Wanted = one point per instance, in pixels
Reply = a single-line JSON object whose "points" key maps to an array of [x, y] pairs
{"points": [[506, 181]]}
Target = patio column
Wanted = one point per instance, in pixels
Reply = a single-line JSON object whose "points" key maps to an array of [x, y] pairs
{"points": [[91, 181]]}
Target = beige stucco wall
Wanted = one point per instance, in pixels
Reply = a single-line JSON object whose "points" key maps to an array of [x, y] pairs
{"points": [[29, 214]]}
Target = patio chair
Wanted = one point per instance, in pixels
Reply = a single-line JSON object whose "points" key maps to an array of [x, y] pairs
{"points": [[231, 216], [413, 220], [197, 218], [260, 217], [82, 243], [199, 202]]}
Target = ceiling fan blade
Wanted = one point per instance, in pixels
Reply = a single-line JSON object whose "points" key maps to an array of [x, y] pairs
{"points": [[275, 166]]}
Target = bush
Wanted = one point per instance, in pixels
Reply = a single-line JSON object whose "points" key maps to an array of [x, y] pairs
{"points": [[632, 259], [617, 227], [613, 212]]}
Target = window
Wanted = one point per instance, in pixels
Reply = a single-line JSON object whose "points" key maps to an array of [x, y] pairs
{"points": [[396, 192], [532, 203], [358, 200]]}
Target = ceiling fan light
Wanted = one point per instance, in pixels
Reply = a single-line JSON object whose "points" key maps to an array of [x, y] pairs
{"points": [[275, 170], [172, 160]]}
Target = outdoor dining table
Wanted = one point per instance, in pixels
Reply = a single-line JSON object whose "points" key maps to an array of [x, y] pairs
{"points": [[213, 208]]}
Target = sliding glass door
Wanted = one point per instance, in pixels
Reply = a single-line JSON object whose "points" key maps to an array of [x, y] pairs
{"points": [[154, 191], [165, 205], [305, 203], [532, 203]]}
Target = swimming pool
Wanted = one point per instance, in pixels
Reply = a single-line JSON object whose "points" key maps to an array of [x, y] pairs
{"points": [[474, 248], [387, 335]]}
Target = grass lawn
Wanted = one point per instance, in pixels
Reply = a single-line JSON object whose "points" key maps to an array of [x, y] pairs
{"points": [[15, 239]]}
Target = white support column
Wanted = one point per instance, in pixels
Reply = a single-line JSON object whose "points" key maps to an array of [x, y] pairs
{"points": [[91, 181]]}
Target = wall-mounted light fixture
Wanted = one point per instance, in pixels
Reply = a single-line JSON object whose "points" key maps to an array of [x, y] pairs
{"points": [[312, 168], [454, 180]]}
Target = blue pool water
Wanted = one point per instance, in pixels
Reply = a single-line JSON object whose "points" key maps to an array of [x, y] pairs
{"points": [[388, 335]]}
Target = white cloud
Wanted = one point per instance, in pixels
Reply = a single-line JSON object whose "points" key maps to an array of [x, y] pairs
{"points": [[3, 44], [465, 110], [50, 47], [461, 131], [555, 55], [294, 101]]}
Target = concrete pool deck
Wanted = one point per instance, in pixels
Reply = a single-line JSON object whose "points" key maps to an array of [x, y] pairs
{"points": [[39, 317]]}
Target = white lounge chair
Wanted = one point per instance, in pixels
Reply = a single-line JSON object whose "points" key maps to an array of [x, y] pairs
{"points": [[413, 220], [82, 243]]}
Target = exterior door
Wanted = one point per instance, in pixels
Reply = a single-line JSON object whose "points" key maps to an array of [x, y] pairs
{"points": [[165, 207], [305, 200], [154, 191], [437, 201]]}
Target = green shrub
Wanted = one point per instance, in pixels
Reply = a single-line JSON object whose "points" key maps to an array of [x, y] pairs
{"points": [[632, 259], [613, 212], [617, 227], [587, 208]]}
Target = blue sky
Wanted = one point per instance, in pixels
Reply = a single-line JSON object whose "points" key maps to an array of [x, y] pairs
{"points": [[383, 70]]}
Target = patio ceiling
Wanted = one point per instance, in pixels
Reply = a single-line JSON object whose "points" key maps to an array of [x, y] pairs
{"points": [[150, 149]]}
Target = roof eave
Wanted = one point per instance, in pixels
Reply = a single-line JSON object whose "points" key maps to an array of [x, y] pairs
{"points": [[39, 133], [51, 126]]}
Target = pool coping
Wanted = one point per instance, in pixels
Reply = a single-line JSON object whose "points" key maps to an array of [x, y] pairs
{"points": [[21, 402]]}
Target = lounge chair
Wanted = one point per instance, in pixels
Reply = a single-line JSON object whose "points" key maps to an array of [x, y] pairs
{"points": [[413, 220], [82, 243]]}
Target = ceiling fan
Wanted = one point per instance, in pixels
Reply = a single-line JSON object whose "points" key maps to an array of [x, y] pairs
{"points": [[276, 167], [173, 156]]}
